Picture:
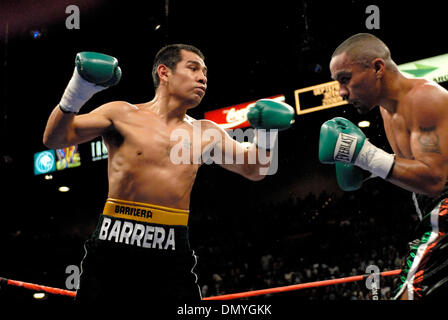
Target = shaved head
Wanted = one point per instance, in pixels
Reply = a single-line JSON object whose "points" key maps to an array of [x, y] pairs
{"points": [[362, 48]]}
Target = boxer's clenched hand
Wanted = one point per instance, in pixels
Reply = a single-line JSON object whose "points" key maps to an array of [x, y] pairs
{"points": [[350, 177], [342, 141], [93, 72], [269, 114]]}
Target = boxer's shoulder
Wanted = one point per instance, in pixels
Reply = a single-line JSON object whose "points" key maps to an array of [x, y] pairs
{"points": [[208, 124], [202, 124], [190, 120], [425, 99], [424, 91], [116, 108]]}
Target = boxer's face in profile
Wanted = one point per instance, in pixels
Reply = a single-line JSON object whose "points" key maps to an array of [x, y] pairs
{"points": [[188, 81], [357, 83]]}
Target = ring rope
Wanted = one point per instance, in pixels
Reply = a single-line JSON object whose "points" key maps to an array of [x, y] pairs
{"points": [[299, 286], [38, 287]]}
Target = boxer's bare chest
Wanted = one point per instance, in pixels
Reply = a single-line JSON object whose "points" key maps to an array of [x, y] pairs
{"points": [[149, 139]]}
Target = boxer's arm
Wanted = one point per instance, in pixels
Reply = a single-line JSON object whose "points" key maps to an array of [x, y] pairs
{"points": [[93, 73], [251, 168], [427, 172], [236, 157], [66, 129], [267, 116]]}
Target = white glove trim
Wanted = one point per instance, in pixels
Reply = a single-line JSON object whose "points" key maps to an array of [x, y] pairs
{"points": [[77, 93], [375, 160], [265, 139]]}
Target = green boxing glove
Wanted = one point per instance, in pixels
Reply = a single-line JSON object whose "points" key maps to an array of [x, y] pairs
{"points": [[270, 114], [342, 141], [350, 177], [268, 117], [93, 72]]}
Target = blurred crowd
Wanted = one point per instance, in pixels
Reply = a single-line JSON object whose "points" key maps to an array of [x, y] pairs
{"points": [[306, 240]]}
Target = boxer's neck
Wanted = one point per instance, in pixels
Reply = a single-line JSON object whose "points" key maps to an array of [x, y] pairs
{"points": [[167, 107], [395, 86]]}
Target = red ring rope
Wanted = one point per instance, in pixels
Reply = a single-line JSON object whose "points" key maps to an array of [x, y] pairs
{"points": [[297, 286], [37, 287]]}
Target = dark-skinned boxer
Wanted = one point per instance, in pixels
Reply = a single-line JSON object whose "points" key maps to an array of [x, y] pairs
{"points": [[415, 116]]}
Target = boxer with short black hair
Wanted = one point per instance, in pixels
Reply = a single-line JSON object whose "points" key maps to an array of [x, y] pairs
{"points": [[415, 117], [140, 248]]}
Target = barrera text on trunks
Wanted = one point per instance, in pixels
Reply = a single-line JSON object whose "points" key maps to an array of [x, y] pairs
{"points": [[136, 212], [138, 234]]}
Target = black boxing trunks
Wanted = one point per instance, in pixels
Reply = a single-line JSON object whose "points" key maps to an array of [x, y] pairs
{"points": [[426, 204], [424, 273], [139, 252]]}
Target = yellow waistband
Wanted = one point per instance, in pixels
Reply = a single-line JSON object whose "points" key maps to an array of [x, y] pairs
{"points": [[145, 212]]}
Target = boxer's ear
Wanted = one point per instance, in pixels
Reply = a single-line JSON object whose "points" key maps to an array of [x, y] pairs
{"points": [[379, 65], [163, 71]]}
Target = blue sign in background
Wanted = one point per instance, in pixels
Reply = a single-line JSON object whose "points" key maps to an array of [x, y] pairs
{"points": [[44, 162]]}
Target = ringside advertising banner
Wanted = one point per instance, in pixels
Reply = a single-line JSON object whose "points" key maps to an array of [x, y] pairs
{"points": [[235, 117]]}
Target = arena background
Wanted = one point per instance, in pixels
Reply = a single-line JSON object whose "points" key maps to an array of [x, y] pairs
{"points": [[293, 227]]}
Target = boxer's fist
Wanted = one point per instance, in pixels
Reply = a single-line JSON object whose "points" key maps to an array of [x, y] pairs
{"points": [[270, 114], [340, 140], [349, 177], [93, 72], [98, 68]]}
